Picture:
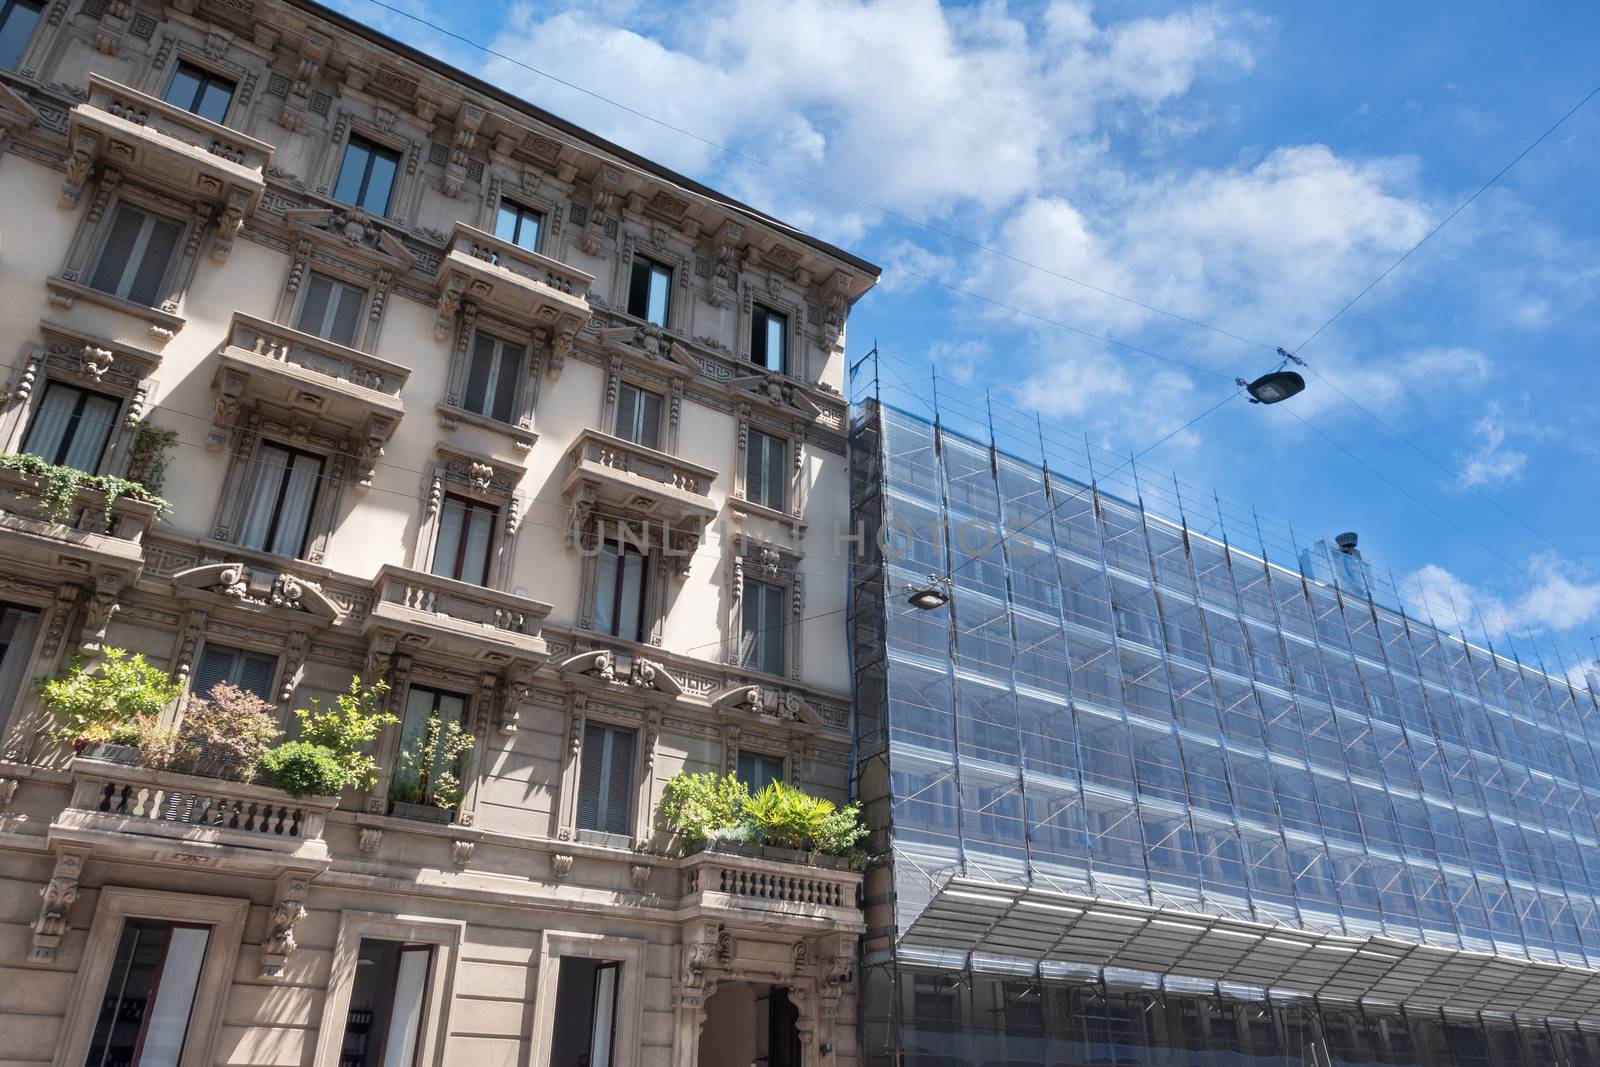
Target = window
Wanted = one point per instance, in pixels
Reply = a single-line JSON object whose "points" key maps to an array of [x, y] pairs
{"points": [[650, 291], [235, 666], [18, 628], [757, 771], [17, 20], [522, 226], [414, 782], [71, 427], [638, 416], [605, 780], [134, 260], [277, 513], [466, 532], [761, 637], [201, 92], [144, 1014], [493, 377], [619, 590], [586, 1012], [366, 177], [331, 309], [766, 470], [769, 339], [384, 1020]]}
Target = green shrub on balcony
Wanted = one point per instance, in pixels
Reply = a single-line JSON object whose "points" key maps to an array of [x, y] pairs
{"points": [[106, 705], [56, 488], [709, 808]]}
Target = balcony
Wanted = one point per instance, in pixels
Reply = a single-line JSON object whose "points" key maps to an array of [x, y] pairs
{"points": [[78, 540], [346, 388], [524, 286], [758, 888], [169, 147], [138, 813], [635, 480], [457, 619]]}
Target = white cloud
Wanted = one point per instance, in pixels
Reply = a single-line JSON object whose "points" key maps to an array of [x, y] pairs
{"points": [[1550, 595], [1490, 465], [960, 360]]}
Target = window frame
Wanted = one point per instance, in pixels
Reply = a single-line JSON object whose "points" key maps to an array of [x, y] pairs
{"points": [[262, 424], [629, 953], [500, 343], [239, 652], [630, 789], [523, 210], [444, 935], [474, 477], [655, 264], [662, 414], [249, 489], [129, 271], [374, 147], [207, 76], [624, 548], [520, 428], [646, 536], [466, 767], [470, 507], [762, 314], [341, 282], [774, 565], [70, 435], [226, 918], [785, 484], [670, 388], [8, 6], [749, 659], [742, 752]]}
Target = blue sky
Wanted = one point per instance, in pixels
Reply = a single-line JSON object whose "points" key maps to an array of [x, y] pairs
{"points": [[1247, 166]]}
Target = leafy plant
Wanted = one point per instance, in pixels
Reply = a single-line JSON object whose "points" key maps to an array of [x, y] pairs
{"points": [[97, 704], [56, 488], [841, 832], [161, 746], [788, 816], [147, 461], [346, 729], [232, 724], [428, 771], [301, 768], [704, 806]]}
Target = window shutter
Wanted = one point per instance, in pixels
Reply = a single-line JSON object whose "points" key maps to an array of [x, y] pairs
{"points": [[478, 371], [650, 434], [118, 250], [152, 271], [755, 468], [627, 413], [777, 473], [619, 801], [505, 386], [216, 663], [255, 674], [347, 314], [314, 308], [591, 767]]}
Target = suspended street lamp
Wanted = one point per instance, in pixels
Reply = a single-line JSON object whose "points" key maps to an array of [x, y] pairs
{"points": [[934, 595], [1271, 388]]}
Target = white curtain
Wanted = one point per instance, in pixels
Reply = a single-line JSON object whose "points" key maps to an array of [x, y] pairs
{"points": [[18, 628], [90, 435], [169, 1017], [410, 983], [295, 515], [605, 588], [50, 422], [448, 544], [480, 531], [270, 465]]}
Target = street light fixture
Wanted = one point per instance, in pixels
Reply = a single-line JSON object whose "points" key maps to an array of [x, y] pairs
{"points": [[930, 597], [1271, 388]]}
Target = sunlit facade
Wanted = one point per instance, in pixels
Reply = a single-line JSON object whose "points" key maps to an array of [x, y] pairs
{"points": [[1141, 797]]}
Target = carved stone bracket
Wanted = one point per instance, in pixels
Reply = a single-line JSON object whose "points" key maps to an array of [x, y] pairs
{"points": [[461, 852], [560, 865], [288, 908], [57, 898], [371, 837]]}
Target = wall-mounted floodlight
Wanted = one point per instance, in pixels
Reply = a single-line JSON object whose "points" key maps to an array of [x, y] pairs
{"points": [[936, 594], [1271, 388]]}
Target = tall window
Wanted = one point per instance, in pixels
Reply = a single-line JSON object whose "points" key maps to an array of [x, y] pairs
{"points": [[522, 226], [71, 427], [134, 260], [466, 533], [761, 626], [366, 177], [17, 20], [144, 1013], [769, 339], [494, 376], [766, 470], [200, 91], [277, 513], [639, 415], [605, 779], [650, 291], [331, 309], [619, 590], [384, 1020], [414, 781], [18, 628], [757, 771], [235, 666], [586, 1012]]}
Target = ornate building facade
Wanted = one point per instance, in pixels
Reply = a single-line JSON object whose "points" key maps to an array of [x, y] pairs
{"points": [[467, 401]]}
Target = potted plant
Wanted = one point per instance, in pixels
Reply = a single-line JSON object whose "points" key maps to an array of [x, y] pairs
{"points": [[708, 812], [231, 729], [427, 781], [301, 768], [330, 755], [102, 709]]}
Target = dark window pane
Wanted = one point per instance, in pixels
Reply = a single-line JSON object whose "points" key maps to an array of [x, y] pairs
{"points": [[17, 20], [201, 92]]}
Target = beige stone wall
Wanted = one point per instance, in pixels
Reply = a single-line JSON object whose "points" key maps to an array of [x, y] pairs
{"points": [[508, 886]]}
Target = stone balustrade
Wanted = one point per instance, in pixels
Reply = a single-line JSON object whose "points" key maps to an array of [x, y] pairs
{"points": [[130, 518], [292, 347], [457, 618], [481, 269], [635, 479], [760, 885]]}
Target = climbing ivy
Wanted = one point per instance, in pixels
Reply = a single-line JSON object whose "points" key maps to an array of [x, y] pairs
{"points": [[148, 463], [56, 488]]}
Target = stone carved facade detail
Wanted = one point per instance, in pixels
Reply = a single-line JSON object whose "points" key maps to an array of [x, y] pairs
{"points": [[288, 908], [56, 900]]}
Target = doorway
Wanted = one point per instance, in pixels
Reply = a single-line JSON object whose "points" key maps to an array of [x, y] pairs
{"points": [[750, 1025]]}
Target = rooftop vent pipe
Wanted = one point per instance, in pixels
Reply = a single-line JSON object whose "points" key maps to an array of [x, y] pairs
{"points": [[1346, 543]]}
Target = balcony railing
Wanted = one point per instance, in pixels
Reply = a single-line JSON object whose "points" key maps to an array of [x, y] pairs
{"points": [[85, 528], [544, 292], [298, 352], [457, 617], [166, 144], [758, 885], [140, 810], [638, 480]]}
